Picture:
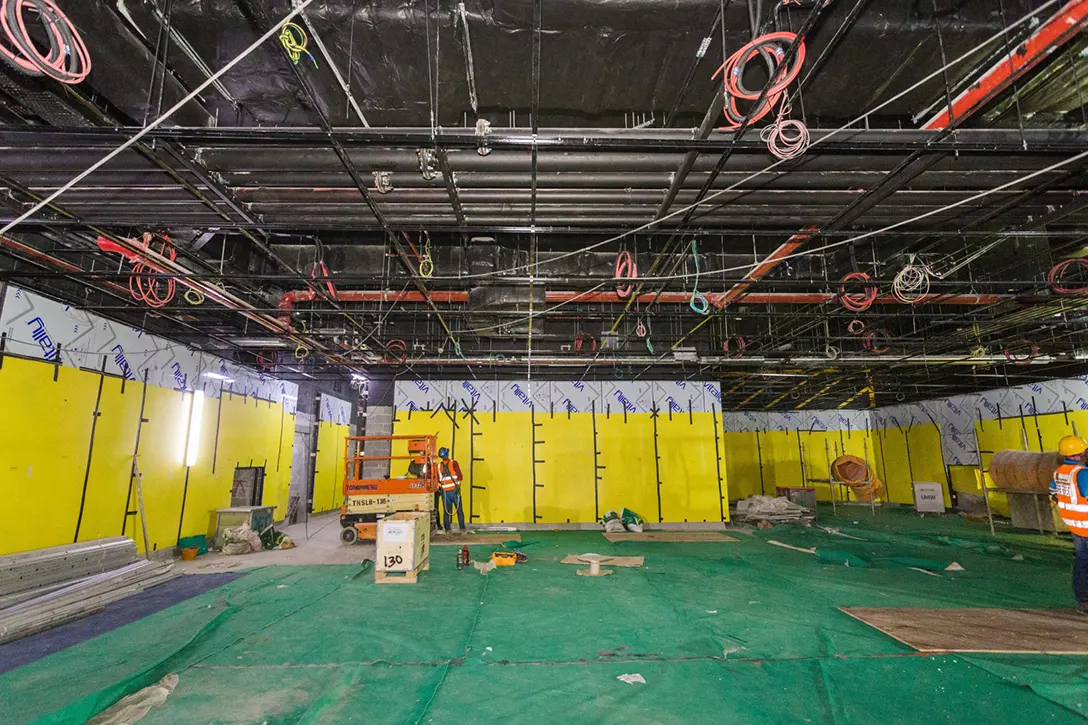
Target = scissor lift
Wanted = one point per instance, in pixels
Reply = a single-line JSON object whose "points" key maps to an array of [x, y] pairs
{"points": [[367, 500]]}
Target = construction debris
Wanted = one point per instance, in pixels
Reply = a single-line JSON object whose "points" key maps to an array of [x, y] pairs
{"points": [[772, 510], [43, 589]]}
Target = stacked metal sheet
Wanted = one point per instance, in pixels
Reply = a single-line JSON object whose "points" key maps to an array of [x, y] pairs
{"points": [[44, 588]]}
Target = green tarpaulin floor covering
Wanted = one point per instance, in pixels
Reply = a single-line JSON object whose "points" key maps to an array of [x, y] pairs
{"points": [[721, 632]]}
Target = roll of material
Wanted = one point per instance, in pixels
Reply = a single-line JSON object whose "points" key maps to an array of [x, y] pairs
{"points": [[1014, 470], [859, 475]]}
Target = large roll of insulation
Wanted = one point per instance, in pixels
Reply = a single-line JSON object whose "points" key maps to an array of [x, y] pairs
{"points": [[1014, 470]]}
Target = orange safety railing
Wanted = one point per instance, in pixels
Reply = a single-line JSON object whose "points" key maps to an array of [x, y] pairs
{"points": [[425, 452]]}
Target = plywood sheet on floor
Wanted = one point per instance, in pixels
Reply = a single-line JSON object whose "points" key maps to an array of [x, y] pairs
{"points": [[674, 536], [1038, 631], [607, 561], [473, 539]]}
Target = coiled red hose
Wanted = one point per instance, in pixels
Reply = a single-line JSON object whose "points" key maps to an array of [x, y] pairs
{"points": [[396, 352], [581, 339], [733, 347], [857, 301], [143, 287], [1031, 351], [67, 59], [871, 341], [1057, 274], [625, 269], [771, 48]]}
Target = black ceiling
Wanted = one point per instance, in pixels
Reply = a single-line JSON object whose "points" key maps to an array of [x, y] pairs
{"points": [[271, 170]]}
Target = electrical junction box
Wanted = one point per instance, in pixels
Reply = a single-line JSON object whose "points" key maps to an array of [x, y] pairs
{"points": [[404, 542], [928, 497]]}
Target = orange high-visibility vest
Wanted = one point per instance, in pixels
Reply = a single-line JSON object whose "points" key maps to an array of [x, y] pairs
{"points": [[446, 476], [1072, 506]]}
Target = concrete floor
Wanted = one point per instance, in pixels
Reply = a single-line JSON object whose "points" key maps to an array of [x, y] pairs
{"points": [[322, 547]]}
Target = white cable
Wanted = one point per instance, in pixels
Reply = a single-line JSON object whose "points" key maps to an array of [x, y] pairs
{"points": [[274, 30], [911, 284], [959, 59]]}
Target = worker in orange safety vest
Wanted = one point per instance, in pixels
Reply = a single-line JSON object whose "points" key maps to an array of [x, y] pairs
{"points": [[1070, 487], [449, 482]]}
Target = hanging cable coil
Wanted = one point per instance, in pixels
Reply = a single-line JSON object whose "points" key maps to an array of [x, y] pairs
{"points": [[911, 284], [875, 341], [698, 301], [625, 270], [1023, 352], [786, 138], [142, 284], [771, 49], [426, 262], [294, 41], [67, 59], [585, 340], [733, 347], [1056, 276], [857, 301], [856, 327], [396, 352]]}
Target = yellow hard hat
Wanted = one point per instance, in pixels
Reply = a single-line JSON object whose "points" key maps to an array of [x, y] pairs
{"points": [[1072, 446]]}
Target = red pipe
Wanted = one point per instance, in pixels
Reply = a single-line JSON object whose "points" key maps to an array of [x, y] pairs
{"points": [[1066, 23], [61, 264], [288, 299], [761, 270]]}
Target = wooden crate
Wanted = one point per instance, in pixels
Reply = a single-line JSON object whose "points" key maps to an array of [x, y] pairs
{"points": [[404, 547]]}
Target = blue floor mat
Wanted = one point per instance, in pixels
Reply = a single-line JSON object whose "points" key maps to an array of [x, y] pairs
{"points": [[32, 648]]}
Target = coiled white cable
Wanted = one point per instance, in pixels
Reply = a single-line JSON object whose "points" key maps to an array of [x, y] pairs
{"points": [[911, 284]]}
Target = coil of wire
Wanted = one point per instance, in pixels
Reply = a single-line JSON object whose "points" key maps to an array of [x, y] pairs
{"points": [[1056, 276], [67, 59], [771, 49], [857, 301]]}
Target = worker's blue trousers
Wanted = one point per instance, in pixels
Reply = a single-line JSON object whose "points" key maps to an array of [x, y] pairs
{"points": [[1080, 570], [451, 500]]}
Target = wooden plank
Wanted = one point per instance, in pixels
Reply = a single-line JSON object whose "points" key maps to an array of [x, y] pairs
{"points": [[607, 561], [473, 539], [1011, 631], [674, 536]]}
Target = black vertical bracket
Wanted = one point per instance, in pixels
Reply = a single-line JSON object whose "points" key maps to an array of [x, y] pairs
{"points": [[536, 461], [473, 459], [90, 448], [718, 463], [597, 467], [657, 459]]}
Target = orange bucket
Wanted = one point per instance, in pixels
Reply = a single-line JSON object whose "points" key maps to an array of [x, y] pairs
{"points": [[189, 554]]}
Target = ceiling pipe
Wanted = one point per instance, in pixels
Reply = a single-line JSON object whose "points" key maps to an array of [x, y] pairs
{"points": [[289, 299]]}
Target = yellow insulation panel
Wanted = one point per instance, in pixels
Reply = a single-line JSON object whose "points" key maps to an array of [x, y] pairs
{"points": [[741, 464], [44, 438], [111, 464], [566, 473], [505, 471], [329, 473], [162, 463], [627, 454], [689, 466]]}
